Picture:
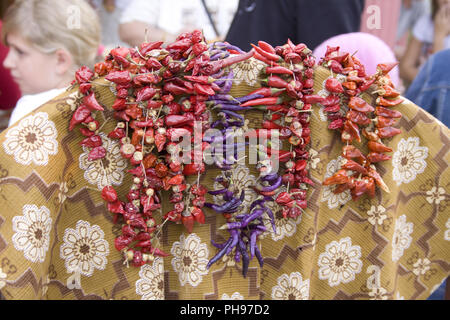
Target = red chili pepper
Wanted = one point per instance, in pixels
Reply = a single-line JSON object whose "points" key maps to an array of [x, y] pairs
{"points": [[176, 89], [266, 46], [381, 122], [276, 82], [360, 105], [268, 55], [160, 141], [200, 79], [92, 142], [121, 56], [97, 153], [339, 177], [268, 92], [204, 89], [119, 77], [193, 169], [117, 133], [264, 59], [333, 85], [145, 94], [366, 85], [354, 166], [177, 120], [84, 74], [312, 99], [91, 102], [332, 109], [336, 124], [378, 147], [350, 132], [375, 157], [335, 66], [379, 181], [182, 44], [349, 85], [388, 92], [263, 101], [369, 135], [119, 104], [133, 111], [385, 68], [278, 70], [358, 117], [389, 103], [109, 194], [176, 180], [387, 132], [174, 134], [147, 47], [388, 113], [79, 116]]}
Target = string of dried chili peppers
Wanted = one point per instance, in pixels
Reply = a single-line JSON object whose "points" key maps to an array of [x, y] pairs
{"points": [[286, 99], [352, 115], [160, 93]]}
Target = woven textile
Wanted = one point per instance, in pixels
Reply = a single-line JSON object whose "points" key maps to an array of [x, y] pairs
{"points": [[57, 238]]}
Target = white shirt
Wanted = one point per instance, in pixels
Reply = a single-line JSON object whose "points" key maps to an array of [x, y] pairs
{"points": [[29, 103]]}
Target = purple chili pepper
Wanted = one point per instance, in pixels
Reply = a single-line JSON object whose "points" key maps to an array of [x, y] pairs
{"points": [[249, 97], [235, 235], [220, 254], [259, 256], [217, 192], [228, 83], [220, 55], [233, 114]]}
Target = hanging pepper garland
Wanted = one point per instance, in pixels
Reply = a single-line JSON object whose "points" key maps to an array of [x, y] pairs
{"points": [[161, 92], [351, 115]]}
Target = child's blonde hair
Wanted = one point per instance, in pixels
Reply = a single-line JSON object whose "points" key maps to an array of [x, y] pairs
{"points": [[50, 25]]}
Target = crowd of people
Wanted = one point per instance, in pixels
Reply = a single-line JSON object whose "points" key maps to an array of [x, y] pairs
{"points": [[39, 51]]}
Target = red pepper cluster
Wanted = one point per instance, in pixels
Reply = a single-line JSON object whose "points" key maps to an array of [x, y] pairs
{"points": [[159, 94], [290, 78], [358, 173]]}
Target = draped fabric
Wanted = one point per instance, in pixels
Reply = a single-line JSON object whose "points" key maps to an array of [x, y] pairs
{"points": [[57, 237]]}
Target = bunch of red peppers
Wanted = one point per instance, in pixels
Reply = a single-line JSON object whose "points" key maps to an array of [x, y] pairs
{"points": [[355, 118], [160, 93]]}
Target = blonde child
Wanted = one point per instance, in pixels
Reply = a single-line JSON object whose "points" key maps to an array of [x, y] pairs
{"points": [[48, 41]]}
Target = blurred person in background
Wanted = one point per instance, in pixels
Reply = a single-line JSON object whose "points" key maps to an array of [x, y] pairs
{"points": [[302, 21], [9, 90], [44, 50], [369, 49], [431, 34], [131, 22], [431, 88]]}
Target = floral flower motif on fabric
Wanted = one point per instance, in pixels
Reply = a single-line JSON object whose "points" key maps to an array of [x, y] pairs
{"points": [[334, 200], [32, 232], [151, 283], [291, 287], [376, 215], [447, 232], [340, 262], [242, 180], [33, 140], [106, 171], [84, 249], [436, 195], [190, 259], [401, 239], [421, 266], [234, 296], [3, 277], [247, 71], [378, 294], [408, 160], [314, 159]]}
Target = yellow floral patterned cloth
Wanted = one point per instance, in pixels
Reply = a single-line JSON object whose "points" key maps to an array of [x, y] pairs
{"points": [[57, 238]]}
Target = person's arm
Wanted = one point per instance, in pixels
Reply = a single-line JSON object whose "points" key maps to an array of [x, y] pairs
{"points": [[409, 64], [135, 32], [139, 21]]}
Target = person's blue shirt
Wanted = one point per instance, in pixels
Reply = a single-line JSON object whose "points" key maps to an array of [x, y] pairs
{"points": [[430, 90]]}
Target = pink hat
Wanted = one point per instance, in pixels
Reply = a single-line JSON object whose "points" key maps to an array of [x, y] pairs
{"points": [[370, 50]]}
